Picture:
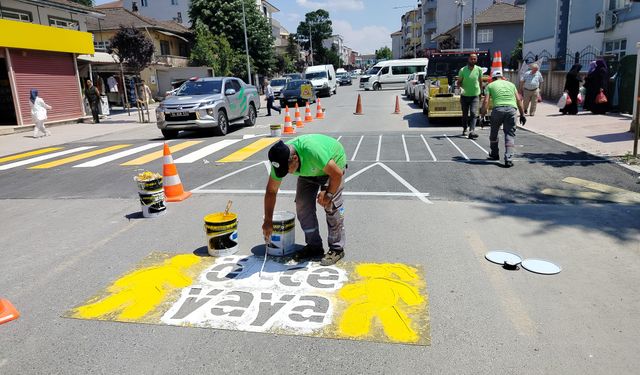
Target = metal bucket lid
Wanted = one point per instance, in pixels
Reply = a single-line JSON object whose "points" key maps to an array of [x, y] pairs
{"points": [[283, 216], [541, 266], [500, 257]]}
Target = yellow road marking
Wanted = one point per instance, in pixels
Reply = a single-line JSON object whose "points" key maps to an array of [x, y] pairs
{"points": [[79, 157], [625, 198], [596, 186], [30, 153], [144, 159], [249, 150], [513, 306]]}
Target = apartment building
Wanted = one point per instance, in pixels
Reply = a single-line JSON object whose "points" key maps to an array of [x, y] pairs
{"points": [[396, 45], [411, 32], [429, 23]]}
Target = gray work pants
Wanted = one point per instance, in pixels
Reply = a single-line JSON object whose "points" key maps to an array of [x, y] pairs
{"points": [[306, 195], [505, 116], [469, 106]]}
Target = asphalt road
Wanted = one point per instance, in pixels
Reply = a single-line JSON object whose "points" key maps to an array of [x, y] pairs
{"points": [[417, 194]]}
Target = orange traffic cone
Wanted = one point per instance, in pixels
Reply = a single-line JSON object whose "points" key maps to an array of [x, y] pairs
{"points": [[496, 64], [7, 311], [319, 111], [173, 190], [397, 111], [288, 127], [358, 107], [299, 123], [307, 114]]}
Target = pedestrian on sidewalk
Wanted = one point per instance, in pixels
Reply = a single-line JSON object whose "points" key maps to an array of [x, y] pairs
{"points": [[93, 97], [572, 88], [506, 101], [470, 80], [38, 114], [320, 162], [530, 88], [270, 98], [597, 80]]}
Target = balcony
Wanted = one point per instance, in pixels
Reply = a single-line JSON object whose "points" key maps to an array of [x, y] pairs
{"points": [[429, 5], [429, 25], [173, 61]]}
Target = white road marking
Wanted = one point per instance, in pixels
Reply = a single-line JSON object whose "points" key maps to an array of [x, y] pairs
{"points": [[406, 152], [339, 138], [428, 148], [265, 163], [404, 182], [205, 151], [44, 157], [293, 192], [379, 145], [355, 153], [119, 155], [480, 147], [457, 148]]}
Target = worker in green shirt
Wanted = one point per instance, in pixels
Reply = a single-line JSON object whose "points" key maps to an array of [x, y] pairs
{"points": [[506, 101], [470, 80], [319, 162]]}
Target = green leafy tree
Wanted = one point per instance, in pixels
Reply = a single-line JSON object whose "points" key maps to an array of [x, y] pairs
{"points": [[88, 3], [318, 25], [516, 55], [212, 50], [383, 53], [133, 48], [332, 57], [224, 18], [293, 50]]}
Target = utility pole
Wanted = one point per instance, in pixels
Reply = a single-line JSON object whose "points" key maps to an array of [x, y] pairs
{"points": [[246, 42], [310, 44], [461, 4], [473, 24]]}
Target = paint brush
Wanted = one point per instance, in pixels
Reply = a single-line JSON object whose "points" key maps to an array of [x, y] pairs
{"points": [[226, 210]]}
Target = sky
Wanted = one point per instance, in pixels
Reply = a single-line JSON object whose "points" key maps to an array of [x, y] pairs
{"points": [[365, 25]]}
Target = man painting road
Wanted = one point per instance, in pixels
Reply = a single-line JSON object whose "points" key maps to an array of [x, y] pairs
{"points": [[470, 79], [317, 160]]}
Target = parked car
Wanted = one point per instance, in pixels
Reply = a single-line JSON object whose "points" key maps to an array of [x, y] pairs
{"points": [[391, 73], [344, 79], [323, 78], [277, 84], [417, 88], [292, 93], [210, 103]]}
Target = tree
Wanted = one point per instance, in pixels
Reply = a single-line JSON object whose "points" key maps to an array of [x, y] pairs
{"points": [[224, 18], [133, 48], [319, 26], [383, 53], [88, 3], [212, 50], [293, 50], [516, 55]]}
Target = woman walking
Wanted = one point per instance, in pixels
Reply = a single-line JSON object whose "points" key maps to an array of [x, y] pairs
{"points": [[572, 88], [39, 114], [597, 80]]}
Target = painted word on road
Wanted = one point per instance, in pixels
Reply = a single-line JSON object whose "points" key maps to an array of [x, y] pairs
{"points": [[381, 302]]}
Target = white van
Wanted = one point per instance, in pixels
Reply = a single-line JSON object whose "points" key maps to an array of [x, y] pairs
{"points": [[392, 74], [323, 78]]}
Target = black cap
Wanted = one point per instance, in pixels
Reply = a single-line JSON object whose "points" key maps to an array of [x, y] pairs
{"points": [[279, 158]]}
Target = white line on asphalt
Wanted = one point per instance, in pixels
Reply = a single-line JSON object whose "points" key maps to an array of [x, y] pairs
{"points": [[265, 163], [379, 145], [480, 147], [404, 182], [355, 153], [339, 138], [119, 155], [205, 151], [44, 157], [406, 152], [457, 148], [292, 192], [428, 148]]}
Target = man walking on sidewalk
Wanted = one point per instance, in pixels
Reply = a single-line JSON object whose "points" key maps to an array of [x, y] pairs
{"points": [[93, 97], [505, 101], [319, 161], [530, 88], [470, 80], [270, 98]]}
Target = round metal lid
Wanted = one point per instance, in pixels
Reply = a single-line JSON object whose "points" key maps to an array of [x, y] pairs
{"points": [[500, 257], [540, 266]]}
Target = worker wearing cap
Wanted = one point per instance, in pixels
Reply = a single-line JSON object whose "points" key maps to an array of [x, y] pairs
{"points": [[319, 161], [506, 101]]}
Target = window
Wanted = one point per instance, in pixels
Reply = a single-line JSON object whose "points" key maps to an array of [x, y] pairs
{"points": [[404, 70], [165, 48], [618, 4], [101, 46], [144, 3], [63, 23], [615, 47], [184, 51], [384, 70], [15, 15], [174, 2], [485, 36]]}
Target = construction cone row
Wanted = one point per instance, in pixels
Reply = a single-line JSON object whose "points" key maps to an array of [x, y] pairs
{"points": [[173, 190], [7, 311], [307, 114], [319, 111], [358, 106], [397, 111], [496, 64], [299, 123], [288, 127]]}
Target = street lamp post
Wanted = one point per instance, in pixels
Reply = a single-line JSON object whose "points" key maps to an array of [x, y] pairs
{"points": [[246, 42], [461, 4], [310, 44]]}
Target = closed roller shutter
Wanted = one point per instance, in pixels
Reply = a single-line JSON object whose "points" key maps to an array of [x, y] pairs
{"points": [[54, 76]]}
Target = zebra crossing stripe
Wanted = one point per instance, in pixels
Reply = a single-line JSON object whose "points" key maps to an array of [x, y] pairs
{"points": [[433, 156], [206, 151], [30, 153], [246, 152], [44, 157], [73, 158], [457, 148], [119, 155], [144, 159]]}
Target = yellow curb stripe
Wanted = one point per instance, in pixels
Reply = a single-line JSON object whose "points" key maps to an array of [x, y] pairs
{"points": [[249, 150], [30, 153], [625, 198], [596, 186], [85, 155], [144, 159]]}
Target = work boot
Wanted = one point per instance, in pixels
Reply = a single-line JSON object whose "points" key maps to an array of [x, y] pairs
{"points": [[508, 164], [493, 157], [473, 135], [332, 257], [308, 252], [464, 131]]}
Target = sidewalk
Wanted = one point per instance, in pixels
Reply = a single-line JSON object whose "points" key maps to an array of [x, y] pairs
{"points": [[602, 135]]}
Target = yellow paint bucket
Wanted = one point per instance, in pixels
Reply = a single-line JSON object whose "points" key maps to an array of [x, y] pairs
{"points": [[222, 233]]}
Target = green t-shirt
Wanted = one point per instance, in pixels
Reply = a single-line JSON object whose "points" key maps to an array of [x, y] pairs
{"points": [[470, 79], [503, 93], [315, 151]]}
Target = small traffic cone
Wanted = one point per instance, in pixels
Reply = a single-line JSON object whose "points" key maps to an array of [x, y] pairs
{"points": [[299, 123], [397, 111], [173, 190], [288, 127], [307, 114], [319, 111], [496, 64], [358, 107], [7, 311]]}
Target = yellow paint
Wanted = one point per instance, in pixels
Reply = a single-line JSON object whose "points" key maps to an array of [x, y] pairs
{"points": [[138, 293], [602, 192], [85, 155], [381, 295], [144, 159], [249, 150], [25, 35], [30, 153]]}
